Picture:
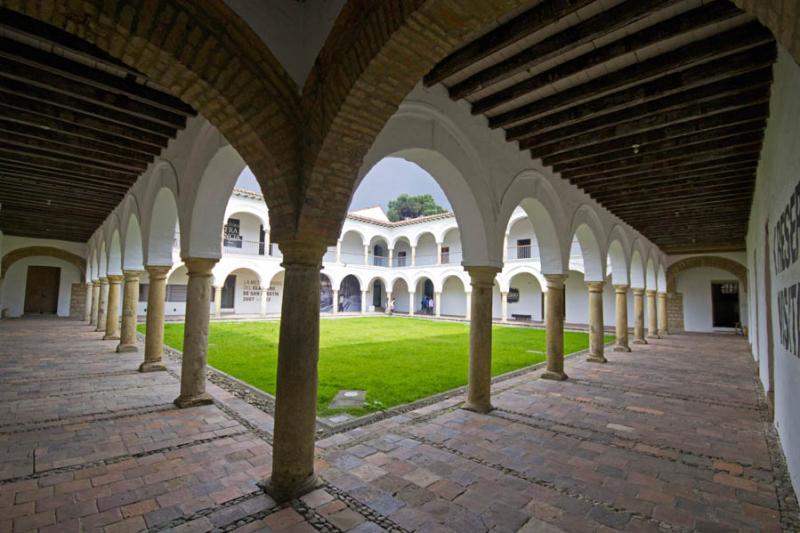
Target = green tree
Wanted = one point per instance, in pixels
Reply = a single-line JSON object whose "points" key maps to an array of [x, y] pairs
{"points": [[405, 206]]}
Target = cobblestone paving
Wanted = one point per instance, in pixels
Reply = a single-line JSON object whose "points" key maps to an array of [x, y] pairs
{"points": [[671, 437]]}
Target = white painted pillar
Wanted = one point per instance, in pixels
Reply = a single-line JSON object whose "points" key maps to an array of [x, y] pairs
{"points": [[363, 302], [468, 314], [505, 247], [439, 255], [335, 307], [413, 256], [366, 254], [263, 303], [391, 255], [338, 252], [387, 307], [437, 303], [218, 301], [504, 306], [411, 303]]}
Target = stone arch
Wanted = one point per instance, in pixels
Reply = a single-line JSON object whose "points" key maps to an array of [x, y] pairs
{"points": [[115, 254], [618, 254], [161, 228], [650, 274], [102, 266], [504, 281], [713, 261], [132, 249], [661, 278], [262, 125], [222, 274], [530, 191], [261, 215], [637, 274], [418, 236], [588, 230], [47, 251], [397, 238]]}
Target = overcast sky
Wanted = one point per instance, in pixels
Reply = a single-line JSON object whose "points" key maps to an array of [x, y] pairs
{"points": [[386, 181]]}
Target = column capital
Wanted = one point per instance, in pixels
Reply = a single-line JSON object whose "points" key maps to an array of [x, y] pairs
{"points": [[621, 287], [595, 286], [555, 281], [303, 253], [412, 292], [637, 291], [115, 278], [661, 294], [95, 283], [199, 266], [155, 272], [482, 276], [103, 280], [131, 275], [651, 292]]}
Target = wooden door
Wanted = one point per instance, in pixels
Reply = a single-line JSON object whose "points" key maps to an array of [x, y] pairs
{"points": [[41, 290]]}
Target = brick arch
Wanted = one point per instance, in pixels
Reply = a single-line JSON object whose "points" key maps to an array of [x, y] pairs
{"points": [[207, 56], [713, 261], [32, 251]]}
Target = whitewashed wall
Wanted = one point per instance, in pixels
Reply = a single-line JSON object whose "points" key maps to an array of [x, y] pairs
{"points": [[695, 286], [16, 280]]}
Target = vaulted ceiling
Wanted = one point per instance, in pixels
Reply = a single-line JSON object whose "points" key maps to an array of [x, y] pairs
{"points": [[77, 128], [655, 108]]}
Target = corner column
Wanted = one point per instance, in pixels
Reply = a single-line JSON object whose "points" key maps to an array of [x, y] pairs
{"points": [[480, 339], [638, 317], [554, 323], [652, 315], [112, 309], [662, 314], [130, 300], [335, 306], [411, 303], [622, 318], [87, 308], [154, 339], [95, 302], [596, 328], [437, 304], [296, 385], [102, 304], [195, 333]]}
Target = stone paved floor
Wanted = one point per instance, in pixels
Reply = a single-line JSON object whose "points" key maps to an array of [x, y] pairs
{"points": [[671, 437]]}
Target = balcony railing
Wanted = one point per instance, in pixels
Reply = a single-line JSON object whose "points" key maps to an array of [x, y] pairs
{"points": [[523, 252], [400, 262], [241, 246], [451, 258]]}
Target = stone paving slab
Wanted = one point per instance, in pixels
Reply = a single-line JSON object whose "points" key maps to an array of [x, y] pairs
{"points": [[671, 437]]}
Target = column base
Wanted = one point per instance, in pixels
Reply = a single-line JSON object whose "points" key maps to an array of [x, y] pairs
{"points": [[662, 334], [477, 408], [182, 402], [284, 494], [621, 348], [596, 358], [152, 367], [110, 337], [554, 376], [639, 341], [99, 330], [653, 337], [127, 348]]}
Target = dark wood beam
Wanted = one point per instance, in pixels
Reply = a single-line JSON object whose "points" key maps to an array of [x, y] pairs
{"points": [[47, 123], [626, 185], [77, 207], [618, 198], [528, 23], [655, 198], [27, 147], [730, 42], [647, 140], [595, 27], [719, 97], [671, 206], [691, 20], [728, 163], [21, 181], [75, 169], [751, 138], [20, 169]]}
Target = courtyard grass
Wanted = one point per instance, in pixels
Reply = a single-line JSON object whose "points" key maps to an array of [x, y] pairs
{"points": [[396, 360]]}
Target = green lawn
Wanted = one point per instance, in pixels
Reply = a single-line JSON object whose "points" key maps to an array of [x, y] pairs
{"points": [[396, 360]]}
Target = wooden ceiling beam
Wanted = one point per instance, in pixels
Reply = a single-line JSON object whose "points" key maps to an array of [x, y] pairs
{"points": [[703, 177], [521, 26], [680, 205], [57, 176], [730, 163], [729, 95], [739, 39], [595, 27], [618, 198], [98, 193], [694, 19], [655, 198], [721, 145], [23, 199], [49, 163], [649, 139], [49, 123]]}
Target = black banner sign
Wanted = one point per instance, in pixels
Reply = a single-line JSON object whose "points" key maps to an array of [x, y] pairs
{"points": [[787, 233], [789, 318]]}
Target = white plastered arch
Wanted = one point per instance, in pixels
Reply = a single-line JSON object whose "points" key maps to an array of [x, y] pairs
{"points": [[588, 230], [504, 280], [160, 216]]}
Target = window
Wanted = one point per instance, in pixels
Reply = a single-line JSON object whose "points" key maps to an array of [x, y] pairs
{"points": [[143, 288], [401, 259], [231, 234], [445, 255], [176, 293], [523, 248]]}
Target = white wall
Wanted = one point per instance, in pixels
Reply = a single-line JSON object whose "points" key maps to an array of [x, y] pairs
{"points": [[275, 294], [16, 279], [454, 299], [695, 286], [577, 299], [778, 191], [530, 297], [247, 294]]}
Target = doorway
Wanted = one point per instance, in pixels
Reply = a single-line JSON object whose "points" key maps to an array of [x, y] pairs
{"points": [[229, 292], [41, 290], [725, 304]]}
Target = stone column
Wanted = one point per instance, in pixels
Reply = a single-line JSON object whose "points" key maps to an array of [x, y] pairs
{"points": [[437, 303], [95, 302], [438, 253], [480, 339], [335, 307], [504, 306], [296, 385], [154, 339], [112, 308], [102, 305], [364, 302], [652, 315], [554, 324], [218, 301], [263, 308], [391, 257], [413, 256], [468, 312], [662, 314], [195, 333], [411, 303], [622, 318], [596, 326], [130, 301], [638, 317], [339, 251], [87, 309]]}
